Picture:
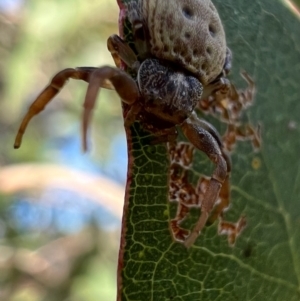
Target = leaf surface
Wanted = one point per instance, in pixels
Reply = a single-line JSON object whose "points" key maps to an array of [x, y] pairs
{"points": [[264, 264]]}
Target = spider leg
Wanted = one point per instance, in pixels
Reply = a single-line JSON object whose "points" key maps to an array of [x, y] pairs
{"points": [[97, 77], [228, 62], [120, 51], [220, 86], [223, 202], [56, 84], [224, 194], [124, 85], [139, 28], [202, 139]]}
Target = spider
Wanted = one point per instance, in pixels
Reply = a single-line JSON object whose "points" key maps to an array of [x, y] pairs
{"points": [[169, 81]]}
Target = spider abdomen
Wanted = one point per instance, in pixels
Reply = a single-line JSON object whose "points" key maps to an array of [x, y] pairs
{"points": [[187, 32]]}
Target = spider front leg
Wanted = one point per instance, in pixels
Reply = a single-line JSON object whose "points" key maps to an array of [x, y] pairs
{"points": [[120, 51], [124, 85], [221, 84], [56, 84], [202, 139]]}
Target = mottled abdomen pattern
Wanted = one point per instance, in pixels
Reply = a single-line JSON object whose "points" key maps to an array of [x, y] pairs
{"points": [[187, 32]]}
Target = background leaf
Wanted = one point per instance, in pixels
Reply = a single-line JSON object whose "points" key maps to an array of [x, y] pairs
{"points": [[265, 263]]}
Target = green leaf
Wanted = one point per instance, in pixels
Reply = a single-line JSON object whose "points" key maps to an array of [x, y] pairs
{"points": [[264, 264]]}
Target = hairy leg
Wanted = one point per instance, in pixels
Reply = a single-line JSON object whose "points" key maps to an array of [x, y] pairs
{"points": [[204, 141], [124, 85]]}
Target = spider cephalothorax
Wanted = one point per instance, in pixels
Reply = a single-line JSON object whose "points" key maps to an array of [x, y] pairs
{"points": [[179, 56]]}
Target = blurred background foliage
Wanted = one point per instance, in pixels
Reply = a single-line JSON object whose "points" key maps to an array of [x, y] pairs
{"points": [[60, 220]]}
